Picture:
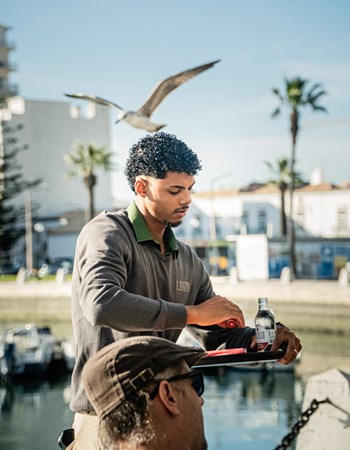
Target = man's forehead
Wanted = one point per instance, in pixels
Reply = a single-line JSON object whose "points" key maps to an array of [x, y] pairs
{"points": [[172, 179], [177, 179]]}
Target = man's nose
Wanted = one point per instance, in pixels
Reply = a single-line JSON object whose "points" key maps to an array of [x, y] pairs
{"points": [[186, 199]]}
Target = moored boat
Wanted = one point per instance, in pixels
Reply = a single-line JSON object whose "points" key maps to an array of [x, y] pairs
{"points": [[33, 349]]}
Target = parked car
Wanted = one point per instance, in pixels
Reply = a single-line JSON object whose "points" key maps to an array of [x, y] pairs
{"points": [[9, 269], [51, 267]]}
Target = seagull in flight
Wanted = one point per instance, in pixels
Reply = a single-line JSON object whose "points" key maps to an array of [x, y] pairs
{"points": [[141, 117]]}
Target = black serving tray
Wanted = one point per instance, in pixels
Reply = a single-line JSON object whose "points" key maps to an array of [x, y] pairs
{"points": [[239, 359]]}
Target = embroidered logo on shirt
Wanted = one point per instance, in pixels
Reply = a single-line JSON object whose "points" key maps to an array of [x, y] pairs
{"points": [[183, 286]]}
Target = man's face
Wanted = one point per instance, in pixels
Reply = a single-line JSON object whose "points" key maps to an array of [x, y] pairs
{"points": [[193, 414], [168, 199]]}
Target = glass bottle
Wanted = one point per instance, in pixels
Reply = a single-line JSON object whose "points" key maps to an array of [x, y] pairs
{"points": [[265, 326]]}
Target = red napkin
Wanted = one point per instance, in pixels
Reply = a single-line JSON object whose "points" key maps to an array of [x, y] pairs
{"points": [[226, 351]]}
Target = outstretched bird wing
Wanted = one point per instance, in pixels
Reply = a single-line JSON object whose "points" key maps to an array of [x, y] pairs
{"points": [[169, 84], [94, 99]]}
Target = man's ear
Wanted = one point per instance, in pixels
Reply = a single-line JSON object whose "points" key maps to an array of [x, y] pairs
{"points": [[169, 398], [141, 186]]}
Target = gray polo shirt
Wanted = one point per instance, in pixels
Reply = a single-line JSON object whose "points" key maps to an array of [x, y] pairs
{"points": [[124, 286]]}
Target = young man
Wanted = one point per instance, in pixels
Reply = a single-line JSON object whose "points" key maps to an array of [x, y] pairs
{"points": [[133, 277], [145, 395]]}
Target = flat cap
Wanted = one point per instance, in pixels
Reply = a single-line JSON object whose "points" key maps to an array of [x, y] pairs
{"points": [[120, 369]]}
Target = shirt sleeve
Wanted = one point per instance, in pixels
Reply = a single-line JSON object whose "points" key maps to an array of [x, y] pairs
{"points": [[99, 277], [217, 338]]}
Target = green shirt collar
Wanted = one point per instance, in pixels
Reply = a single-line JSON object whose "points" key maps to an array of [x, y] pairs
{"points": [[143, 234]]}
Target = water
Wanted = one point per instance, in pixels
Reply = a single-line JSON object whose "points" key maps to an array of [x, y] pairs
{"points": [[33, 415], [250, 410], [243, 410]]}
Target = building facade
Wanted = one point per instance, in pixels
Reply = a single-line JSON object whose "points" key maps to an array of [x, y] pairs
{"points": [[217, 220], [7, 89], [49, 130], [43, 132]]}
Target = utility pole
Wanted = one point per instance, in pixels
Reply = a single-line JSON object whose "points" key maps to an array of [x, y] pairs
{"points": [[29, 230]]}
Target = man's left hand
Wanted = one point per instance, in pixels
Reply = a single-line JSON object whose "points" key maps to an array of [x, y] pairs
{"points": [[284, 335]]}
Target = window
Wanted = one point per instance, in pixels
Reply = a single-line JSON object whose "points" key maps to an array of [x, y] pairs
{"points": [[218, 229], [300, 219], [262, 221], [196, 226], [245, 222], [342, 219]]}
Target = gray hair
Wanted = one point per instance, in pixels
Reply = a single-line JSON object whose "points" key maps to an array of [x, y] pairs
{"points": [[129, 425]]}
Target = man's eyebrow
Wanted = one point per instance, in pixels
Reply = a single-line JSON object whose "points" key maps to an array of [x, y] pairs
{"points": [[182, 187]]}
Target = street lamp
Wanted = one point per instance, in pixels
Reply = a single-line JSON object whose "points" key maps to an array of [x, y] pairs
{"points": [[29, 231]]}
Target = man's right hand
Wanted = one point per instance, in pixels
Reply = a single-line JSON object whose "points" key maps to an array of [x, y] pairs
{"points": [[214, 311]]}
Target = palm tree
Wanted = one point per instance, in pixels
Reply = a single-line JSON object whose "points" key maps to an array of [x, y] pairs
{"points": [[86, 160], [295, 97], [282, 179]]}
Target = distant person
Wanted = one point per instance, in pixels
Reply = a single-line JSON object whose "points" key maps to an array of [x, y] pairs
{"points": [[223, 265], [133, 277], [145, 395]]}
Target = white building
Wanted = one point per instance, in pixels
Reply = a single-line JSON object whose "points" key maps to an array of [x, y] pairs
{"points": [[321, 216], [52, 129], [320, 210]]}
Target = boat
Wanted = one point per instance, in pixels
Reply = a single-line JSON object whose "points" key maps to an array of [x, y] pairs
{"points": [[33, 350], [68, 352], [7, 360]]}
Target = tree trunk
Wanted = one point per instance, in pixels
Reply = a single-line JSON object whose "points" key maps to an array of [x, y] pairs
{"points": [[291, 239], [91, 203], [90, 182], [283, 218], [291, 232]]}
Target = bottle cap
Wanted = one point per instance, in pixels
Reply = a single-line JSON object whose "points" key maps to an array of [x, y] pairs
{"points": [[231, 323]]}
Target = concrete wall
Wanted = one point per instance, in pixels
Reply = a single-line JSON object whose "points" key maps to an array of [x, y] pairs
{"points": [[328, 427]]}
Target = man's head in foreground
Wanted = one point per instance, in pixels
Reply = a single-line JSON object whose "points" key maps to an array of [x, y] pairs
{"points": [[145, 396]]}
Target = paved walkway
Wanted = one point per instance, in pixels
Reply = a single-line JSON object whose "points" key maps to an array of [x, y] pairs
{"points": [[35, 289], [303, 291]]}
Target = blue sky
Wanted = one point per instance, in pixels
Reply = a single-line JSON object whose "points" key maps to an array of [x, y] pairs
{"points": [[120, 49]]}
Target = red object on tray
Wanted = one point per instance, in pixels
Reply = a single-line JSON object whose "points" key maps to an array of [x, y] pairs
{"points": [[226, 351]]}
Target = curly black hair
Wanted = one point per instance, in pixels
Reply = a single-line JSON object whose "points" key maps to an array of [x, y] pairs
{"points": [[155, 155]]}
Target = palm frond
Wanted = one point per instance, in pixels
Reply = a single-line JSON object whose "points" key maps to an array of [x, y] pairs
{"points": [[314, 96], [314, 88], [276, 112], [278, 94], [319, 108]]}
